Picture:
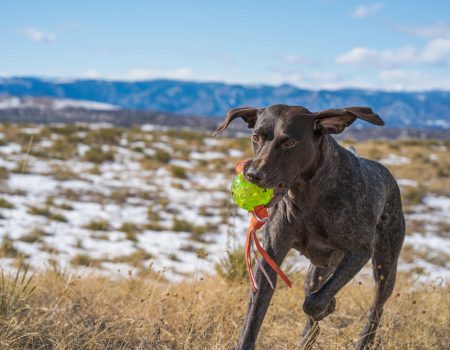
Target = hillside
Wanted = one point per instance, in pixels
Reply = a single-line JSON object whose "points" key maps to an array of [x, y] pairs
{"points": [[114, 200], [407, 109], [133, 243]]}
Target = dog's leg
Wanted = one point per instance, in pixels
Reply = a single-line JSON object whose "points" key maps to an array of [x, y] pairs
{"points": [[387, 247], [315, 277], [277, 247], [317, 303]]}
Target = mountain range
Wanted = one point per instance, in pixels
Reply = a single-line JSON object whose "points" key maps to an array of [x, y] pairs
{"points": [[428, 109]]}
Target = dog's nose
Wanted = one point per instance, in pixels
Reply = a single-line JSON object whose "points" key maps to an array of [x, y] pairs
{"points": [[255, 175]]}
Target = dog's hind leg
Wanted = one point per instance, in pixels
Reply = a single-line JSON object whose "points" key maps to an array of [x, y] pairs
{"points": [[387, 247], [277, 246], [315, 277]]}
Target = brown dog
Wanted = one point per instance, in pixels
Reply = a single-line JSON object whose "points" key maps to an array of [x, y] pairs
{"points": [[337, 209]]}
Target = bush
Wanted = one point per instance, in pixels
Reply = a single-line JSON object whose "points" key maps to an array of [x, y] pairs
{"points": [[232, 267], [130, 229], [104, 136], [97, 156], [182, 226], [45, 211], [7, 247], [414, 195], [98, 225], [15, 292], [33, 236], [178, 172], [162, 156], [81, 260], [4, 173], [5, 204]]}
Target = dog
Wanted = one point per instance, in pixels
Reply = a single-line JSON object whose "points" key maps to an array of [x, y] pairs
{"points": [[337, 209]]}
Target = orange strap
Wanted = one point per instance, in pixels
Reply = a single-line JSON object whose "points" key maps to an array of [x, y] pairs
{"points": [[259, 218]]}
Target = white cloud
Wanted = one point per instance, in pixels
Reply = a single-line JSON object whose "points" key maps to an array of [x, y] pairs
{"points": [[364, 11], [412, 80], [144, 74], [436, 30], [137, 74], [92, 74], [289, 58], [315, 79], [435, 52], [38, 35]]}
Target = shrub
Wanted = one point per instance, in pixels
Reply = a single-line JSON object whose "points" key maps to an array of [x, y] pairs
{"points": [[232, 267], [58, 217], [152, 214], [443, 171], [98, 225], [45, 211], [130, 229], [61, 149], [135, 258], [33, 236], [15, 292], [178, 172], [414, 195], [81, 260], [104, 136], [5, 204], [7, 247], [97, 156], [162, 156], [154, 226], [4, 173], [182, 226]]}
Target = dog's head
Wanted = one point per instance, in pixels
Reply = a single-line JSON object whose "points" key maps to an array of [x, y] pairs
{"points": [[286, 140]]}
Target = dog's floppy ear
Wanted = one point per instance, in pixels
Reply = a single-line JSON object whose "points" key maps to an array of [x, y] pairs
{"points": [[249, 114], [334, 121]]}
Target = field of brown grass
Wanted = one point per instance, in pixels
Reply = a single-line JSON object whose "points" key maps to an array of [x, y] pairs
{"points": [[79, 309], [61, 311]]}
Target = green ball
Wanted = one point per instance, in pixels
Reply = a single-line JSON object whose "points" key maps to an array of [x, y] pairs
{"points": [[248, 195]]}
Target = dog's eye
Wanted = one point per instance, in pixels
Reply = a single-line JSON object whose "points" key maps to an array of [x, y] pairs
{"points": [[256, 138], [289, 144]]}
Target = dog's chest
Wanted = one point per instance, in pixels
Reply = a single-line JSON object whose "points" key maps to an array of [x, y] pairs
{"points": [[316, 237]]}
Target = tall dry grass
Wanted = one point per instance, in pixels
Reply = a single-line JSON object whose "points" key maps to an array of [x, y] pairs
{"points": [[56, 310]]}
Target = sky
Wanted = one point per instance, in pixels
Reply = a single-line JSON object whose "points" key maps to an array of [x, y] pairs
{"points": [[315, 44]]}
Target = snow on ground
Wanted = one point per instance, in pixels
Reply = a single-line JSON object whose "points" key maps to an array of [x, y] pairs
{"points": [[393, 159], [100, 216], [407, 182]]}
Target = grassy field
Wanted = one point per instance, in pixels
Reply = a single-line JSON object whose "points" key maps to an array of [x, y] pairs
{"points": [[115, 199], [61, 311], [100, 215]]}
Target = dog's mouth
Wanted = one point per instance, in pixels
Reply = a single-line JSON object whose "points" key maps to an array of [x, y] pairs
{"points": [[278, 192]]}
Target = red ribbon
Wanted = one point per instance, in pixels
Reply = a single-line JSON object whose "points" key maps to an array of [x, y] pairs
{"points": [[259, 218]]}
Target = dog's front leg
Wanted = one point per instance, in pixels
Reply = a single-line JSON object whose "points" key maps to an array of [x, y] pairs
{"points": [[316, 304], [277, 247]]}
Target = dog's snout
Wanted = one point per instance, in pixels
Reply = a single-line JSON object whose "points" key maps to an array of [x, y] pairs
{"points": [[254, 175]]}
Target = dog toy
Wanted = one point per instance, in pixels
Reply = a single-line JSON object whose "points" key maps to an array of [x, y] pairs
{"points": [[248, 195], [254, 198]]}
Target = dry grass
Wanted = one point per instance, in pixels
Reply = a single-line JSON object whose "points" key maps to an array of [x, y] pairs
{"points": [[67, 312]]}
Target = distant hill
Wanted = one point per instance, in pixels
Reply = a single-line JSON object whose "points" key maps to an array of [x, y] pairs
{"points": [[429, 109]]}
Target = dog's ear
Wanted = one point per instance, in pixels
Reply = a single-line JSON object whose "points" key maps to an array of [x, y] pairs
{"points": [[249, 114], [334, 121]]}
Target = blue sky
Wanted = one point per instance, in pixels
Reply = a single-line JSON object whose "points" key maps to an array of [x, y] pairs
{"points": [[389, 45]]}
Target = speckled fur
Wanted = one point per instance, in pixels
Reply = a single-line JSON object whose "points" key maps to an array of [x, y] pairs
{"points": [[340, 211]]}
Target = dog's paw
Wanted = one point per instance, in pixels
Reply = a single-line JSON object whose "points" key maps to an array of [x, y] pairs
{"points": [[317, 307]]}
